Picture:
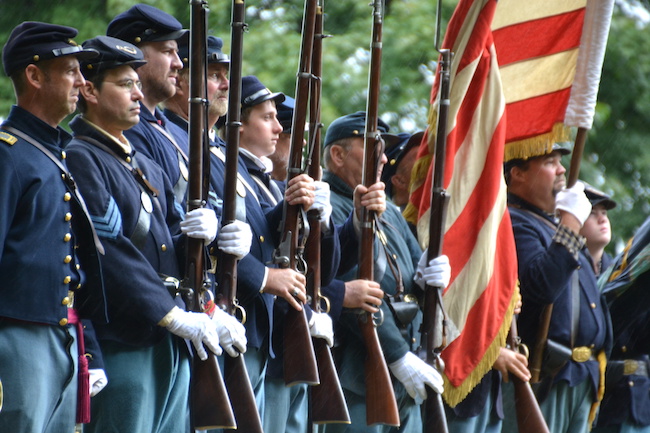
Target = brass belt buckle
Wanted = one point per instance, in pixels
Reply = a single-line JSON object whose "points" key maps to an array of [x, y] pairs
{"points": [[630, 366], [581, 354]]}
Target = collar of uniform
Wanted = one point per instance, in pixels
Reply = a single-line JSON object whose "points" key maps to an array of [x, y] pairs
{"points": [[125, 146], [518, 202], [259, 164], [337, 184], [176, 119], [23, 120], [146, 115]]}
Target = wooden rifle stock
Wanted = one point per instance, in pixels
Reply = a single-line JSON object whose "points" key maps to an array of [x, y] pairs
{"points": [[537, 356], [236, 375], [529, 416], [381, 405], [299, 356], [434, 419], [209, 401], [327, 402]]}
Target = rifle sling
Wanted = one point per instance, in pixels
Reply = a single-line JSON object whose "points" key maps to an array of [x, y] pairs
{"points": [[69, 180], [404, 310]]}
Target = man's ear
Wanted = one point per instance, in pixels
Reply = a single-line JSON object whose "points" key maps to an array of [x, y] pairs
{"points": [[398, 181], [337, 154], [34, 75], [89, 92]]}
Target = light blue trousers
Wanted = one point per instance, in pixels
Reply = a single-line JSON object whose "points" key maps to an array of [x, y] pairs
{"points": [[38, 369], [147, 391]]}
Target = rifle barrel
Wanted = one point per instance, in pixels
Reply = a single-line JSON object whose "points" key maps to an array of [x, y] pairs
{"points": [[210, 403], [381, 405]]}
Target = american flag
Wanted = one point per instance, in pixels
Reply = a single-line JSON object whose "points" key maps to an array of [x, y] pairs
{"points": [[513, 83]]}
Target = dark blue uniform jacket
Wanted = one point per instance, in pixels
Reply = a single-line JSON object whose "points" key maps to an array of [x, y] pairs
{"points": [[137, 299]]}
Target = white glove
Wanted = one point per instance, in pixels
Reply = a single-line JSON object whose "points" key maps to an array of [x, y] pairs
{"points": [[322, 202], [235, 238], [200, 223], [436, 274], [97, 381], [320, 326], [196, 327], [414, 374], [232, 334], [574, 201]]}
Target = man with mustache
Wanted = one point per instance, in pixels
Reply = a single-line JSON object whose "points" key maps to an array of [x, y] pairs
{"points": [[554, 269], [132, 206]]}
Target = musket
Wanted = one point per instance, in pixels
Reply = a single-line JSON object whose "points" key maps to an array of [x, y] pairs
{"points": [[209, 402], [327, 402], [529, 416], [299, 356], [537, 356], [238, 383], [381, 405], [433, 413]]}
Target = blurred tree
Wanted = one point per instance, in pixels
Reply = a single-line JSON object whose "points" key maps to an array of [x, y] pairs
{"points": [[615, 157]]}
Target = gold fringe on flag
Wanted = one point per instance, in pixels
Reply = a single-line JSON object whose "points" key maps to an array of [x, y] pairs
{"points": [[538, 145], [454, 395]]}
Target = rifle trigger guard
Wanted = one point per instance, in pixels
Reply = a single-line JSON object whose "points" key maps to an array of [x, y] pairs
{"points": [[326, 301], [241, 310], [523, 349], [378, 321]]}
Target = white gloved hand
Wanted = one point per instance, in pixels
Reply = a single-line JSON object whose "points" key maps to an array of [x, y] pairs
{"points": [[322, 202], [232, 334], [414, 374], [98, 380], [320, 326], [196, 327], [436, 274], [235, 238], [574, 201], [200, 223]]}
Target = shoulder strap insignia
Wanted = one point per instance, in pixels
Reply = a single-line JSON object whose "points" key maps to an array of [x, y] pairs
{"points": [[8, 138]]}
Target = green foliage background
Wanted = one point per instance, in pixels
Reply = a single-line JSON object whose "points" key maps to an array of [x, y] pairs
{"points": [[615, 159]]}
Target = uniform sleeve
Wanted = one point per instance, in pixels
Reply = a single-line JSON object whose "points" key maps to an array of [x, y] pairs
{"points": [[545, 266]]}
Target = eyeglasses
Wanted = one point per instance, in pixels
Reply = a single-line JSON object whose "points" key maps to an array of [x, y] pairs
{"points": [[127, 84]]}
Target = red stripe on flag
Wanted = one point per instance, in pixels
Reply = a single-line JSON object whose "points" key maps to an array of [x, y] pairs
{"points": [[522, 42], [481, 329], [536, 116], [463, 234]]}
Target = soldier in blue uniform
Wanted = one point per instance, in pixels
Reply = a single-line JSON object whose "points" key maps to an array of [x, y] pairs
{"points": [[597, 229], [258, 138], [156, 33], [132, 205], [554, 269], [48, 248], [626, 404], [343, 158]]}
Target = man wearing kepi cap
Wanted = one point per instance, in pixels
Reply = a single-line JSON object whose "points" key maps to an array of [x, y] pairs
{"points": [[177, 107], [260, 281], [132, 205], [343, 158], [156, 33], [597, 229], [554, 269], [49, 260]]}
